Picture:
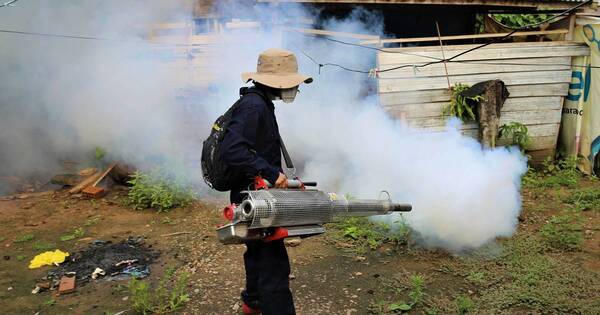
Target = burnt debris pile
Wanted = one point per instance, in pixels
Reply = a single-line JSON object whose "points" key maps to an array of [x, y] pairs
{"points": [[114, 261]]}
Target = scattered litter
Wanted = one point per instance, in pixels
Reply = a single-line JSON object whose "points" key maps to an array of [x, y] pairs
{"points": [[126, 262], [67, 285], [98, 272], [176, 233], [9, 288], [48, 258], [36, 290], [122, 260]]}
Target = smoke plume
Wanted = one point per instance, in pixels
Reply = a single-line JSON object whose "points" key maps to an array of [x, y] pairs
{"points": [[62, 96]]}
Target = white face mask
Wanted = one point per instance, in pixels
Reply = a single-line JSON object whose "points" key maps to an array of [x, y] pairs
{"points": [[288, 95]]}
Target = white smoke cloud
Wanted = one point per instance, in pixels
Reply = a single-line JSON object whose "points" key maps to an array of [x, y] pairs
{"points": [[63, 96]]}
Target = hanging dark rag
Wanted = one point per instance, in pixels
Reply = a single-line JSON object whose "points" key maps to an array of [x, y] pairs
{"points": [[494, 93]]}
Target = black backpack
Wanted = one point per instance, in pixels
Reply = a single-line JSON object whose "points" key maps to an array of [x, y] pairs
{"points": [[216, 173]]}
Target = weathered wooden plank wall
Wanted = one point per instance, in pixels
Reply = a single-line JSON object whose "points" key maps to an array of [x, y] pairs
{"points": [[537, 75]]}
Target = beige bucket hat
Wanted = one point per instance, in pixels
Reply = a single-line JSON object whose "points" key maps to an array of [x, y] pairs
{"points": [[277, 68]]}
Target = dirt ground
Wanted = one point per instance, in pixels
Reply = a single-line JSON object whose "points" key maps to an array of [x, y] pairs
{"points": [[513, 276]]}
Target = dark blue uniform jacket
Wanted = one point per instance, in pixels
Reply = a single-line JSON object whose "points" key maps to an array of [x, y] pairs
{"points": [[251, 144]]}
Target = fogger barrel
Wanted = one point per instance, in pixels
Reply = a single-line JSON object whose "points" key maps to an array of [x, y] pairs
{"points": [[302, 211]]}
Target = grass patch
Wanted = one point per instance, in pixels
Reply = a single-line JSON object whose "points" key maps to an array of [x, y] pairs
{"points": [[43, 246], [24, 238], [77, 233], [21, 257], [564, 232], [158, 190], [364, 235], [526, 278], [554, 174], [464, 304], [416, 296], [585, 199], [168, 296]]}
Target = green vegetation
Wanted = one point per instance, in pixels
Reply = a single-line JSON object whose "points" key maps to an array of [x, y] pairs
{"points": [[24, 238], [564, 232], [462, 106], [43, 246], [519, 20], [77, 233], [49, 302], [464, 304], [99, 153], [168, 296], [158, 190], [91, 221], [585, 199], [517, 133], [21, 257], [415, 285], [524, 276], [554, 174], [365, 235]]}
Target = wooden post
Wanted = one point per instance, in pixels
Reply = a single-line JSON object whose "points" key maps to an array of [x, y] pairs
{"points": [[572, 19]]}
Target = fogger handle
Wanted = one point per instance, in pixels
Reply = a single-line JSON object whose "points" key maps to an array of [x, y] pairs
{"points": [[401, 207], [293, 183]]}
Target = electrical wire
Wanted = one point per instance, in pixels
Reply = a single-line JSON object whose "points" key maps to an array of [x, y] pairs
{"points": [[440, 60], [8, 4]]}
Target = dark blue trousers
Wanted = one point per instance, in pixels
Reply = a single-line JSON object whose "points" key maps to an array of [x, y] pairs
{"points": [[267, 278]]}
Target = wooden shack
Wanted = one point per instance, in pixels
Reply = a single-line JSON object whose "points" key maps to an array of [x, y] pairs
{"points": [[537, 75]]}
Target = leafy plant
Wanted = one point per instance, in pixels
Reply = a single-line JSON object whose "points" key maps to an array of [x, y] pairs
{"points": [[168, 296], [519, 20], [517, 133], [563, 232], [461, 106], [24, 238], [158, 190], [77, 233], [464, 304], [21, 257], [91, 221], [416, 295]]}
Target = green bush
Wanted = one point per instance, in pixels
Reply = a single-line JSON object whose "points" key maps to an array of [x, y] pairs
{"points": [[563, 232], [168, 296], [158, 190]]}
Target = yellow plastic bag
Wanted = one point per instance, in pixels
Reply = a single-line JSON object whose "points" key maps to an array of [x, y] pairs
{"points": [[48, 258]]}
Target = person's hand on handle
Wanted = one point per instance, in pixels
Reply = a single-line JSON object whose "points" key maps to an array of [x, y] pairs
{"points": [[281, 181]]}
